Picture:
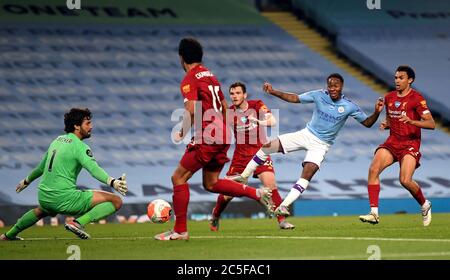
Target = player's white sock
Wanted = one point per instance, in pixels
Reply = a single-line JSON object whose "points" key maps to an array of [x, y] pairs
{"points": [[257, 160], [374, 210], [295, 192]]}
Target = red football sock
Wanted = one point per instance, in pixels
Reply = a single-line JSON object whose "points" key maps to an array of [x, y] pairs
{"points": [[232, 188], [419, 197], [374, 194], [276, 198], [221, 204], [180, 205]]}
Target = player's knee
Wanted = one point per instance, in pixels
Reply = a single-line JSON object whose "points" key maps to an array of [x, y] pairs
{"points": [[117, 202], [267, 145], [270, 186], [208, 186], [179, 178], [39, 213], [374, 170], [405, 180], [175, 179]]}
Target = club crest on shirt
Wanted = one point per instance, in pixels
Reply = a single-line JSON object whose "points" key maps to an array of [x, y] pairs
{"points": [[244, 119], [264, 108], [89, 153], [397, 104], [187, 88], [341, 109]]}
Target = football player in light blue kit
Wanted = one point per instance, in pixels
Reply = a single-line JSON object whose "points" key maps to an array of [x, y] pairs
{"points": [[331, 111]]}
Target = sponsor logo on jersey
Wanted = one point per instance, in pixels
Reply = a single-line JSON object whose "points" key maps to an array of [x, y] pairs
{"points": [[186, 88], [200, 75], [244, 119], [397, 104], [89, 153]]}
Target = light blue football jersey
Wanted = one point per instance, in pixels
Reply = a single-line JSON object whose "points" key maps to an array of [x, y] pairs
{"points": [[329, 116]]}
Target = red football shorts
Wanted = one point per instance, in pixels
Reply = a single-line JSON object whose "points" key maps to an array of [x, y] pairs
{"points": [[209, 157], [237, 168], [400, 149]]}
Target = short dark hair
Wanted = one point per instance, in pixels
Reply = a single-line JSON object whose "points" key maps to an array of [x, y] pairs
{"points": [[337, 76], [190, 50], [238, 84], [409, 71], [75, 117]]}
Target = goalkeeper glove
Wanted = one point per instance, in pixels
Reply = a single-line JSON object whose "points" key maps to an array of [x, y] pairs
{"points": [[22, 185], [119, 184]]}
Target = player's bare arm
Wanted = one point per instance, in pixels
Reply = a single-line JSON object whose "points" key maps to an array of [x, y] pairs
{"points": [[188, 119], [374, 117], [385, 124], [286, 96], [224, 105], [426, 121]]}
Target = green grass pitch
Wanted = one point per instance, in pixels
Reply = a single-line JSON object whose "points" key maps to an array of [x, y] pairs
{"points": [[345, 237]]}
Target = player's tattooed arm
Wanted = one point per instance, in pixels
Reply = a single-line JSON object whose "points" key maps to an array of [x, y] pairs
{"points": [[286, 96]]}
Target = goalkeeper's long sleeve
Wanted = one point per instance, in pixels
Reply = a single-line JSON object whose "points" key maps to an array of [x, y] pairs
{"points": [[88, 162], [38, 170]]}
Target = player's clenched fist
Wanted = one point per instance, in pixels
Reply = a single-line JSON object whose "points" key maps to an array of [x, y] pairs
{"points": [[379, 105], [267, 87], [119, 184]]}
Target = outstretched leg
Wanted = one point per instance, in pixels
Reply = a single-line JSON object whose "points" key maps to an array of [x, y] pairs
{"points": [[24, 222], [212, 183], [261, 156], [309, 169]]}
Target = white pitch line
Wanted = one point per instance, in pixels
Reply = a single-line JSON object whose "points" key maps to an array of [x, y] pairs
{"points": [[354, 257], [264, 237]]}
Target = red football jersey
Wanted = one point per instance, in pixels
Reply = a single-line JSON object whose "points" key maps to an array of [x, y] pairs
{"points": [[200, 84], [249, 136], [413, 105]]}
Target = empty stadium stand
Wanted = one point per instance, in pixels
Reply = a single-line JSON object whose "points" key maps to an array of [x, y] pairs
{"points": [[400, 32], [127, 72]]}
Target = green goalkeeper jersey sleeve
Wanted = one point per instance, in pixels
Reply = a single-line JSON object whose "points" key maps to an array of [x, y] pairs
{"points": [[37, 172], [66, 156]]}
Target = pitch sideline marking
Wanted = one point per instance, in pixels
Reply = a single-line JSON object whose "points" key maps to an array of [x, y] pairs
{"points": [[263, 237], [383, 256]]}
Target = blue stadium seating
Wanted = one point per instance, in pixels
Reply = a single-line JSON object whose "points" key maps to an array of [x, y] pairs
{"points": [[130, 77], [415, 32]]}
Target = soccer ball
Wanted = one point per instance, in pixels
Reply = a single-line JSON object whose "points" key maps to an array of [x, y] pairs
{"points": [[159, 211]]}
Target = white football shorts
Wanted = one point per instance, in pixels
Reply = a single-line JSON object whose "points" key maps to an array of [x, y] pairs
{"points": [[305, 140]]}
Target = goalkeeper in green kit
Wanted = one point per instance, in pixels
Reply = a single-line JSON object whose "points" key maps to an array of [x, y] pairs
{"points": [[59, 169]]}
